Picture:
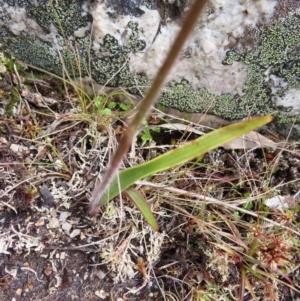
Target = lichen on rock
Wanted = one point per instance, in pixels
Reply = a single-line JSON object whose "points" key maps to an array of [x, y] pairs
{"points": [[242, 59]]}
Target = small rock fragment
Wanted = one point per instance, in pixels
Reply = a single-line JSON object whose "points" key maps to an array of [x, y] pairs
{"points": [[66, 226], [54, 223], [74, 233], [281, 202], [46, 195], [64, 215], [40, 222], [100, 274], [101, 294], [3, 140], [14, 147]]}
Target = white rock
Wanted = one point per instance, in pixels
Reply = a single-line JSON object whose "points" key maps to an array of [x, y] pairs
{"points": [[101, 294], [54, 223], [63, 215], [14, 147], [3, 140], [66, 226], [277, 202], [75, 232]]}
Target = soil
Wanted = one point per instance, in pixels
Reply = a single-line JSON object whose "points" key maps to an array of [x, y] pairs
{"points": [[51, 249]]}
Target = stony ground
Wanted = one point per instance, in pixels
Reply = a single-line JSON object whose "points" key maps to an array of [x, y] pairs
{"points": [[219, 237]]}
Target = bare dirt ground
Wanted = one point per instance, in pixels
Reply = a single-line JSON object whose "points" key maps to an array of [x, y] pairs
{"points": [[50, 249]]}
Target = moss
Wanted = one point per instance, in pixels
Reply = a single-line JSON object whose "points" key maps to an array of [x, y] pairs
{"points": [[14, 99]]}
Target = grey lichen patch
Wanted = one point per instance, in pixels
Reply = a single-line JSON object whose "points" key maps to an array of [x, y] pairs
{"points": [[110, 44], [112, 69], [280, 42], [181, 94], [32, 50], [183, 97], [36, 52], [231, 56], [66, 16], [277, 57], [130, 7], [134, 43], [54, 22]]}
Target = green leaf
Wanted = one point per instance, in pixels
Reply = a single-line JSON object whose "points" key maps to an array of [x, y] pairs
{"points": [[237, 214], [160, 107], [146, 136], [10, 65], [180, 155], [143, 206], [111, 104], [124, 107], [188, 25], [248, 206], [106, 112], [99, 101]]}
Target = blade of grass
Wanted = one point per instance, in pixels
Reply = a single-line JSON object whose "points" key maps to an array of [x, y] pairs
{"points": [[126, 140], [180, 155], [249, 287], [143, 206]]}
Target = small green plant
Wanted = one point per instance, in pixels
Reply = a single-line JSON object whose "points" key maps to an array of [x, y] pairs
{"points": [[105, 105], [146, 135], [124, 106]]}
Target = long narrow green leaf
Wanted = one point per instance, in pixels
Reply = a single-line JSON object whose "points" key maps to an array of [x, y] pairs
{"points": [[182, 154], [143, 206]]}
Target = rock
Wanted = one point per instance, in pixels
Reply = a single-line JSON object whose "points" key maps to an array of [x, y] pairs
{"points": [[14, 147], [242, 59], [75, 233], [66, 226], [53, 223]]}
